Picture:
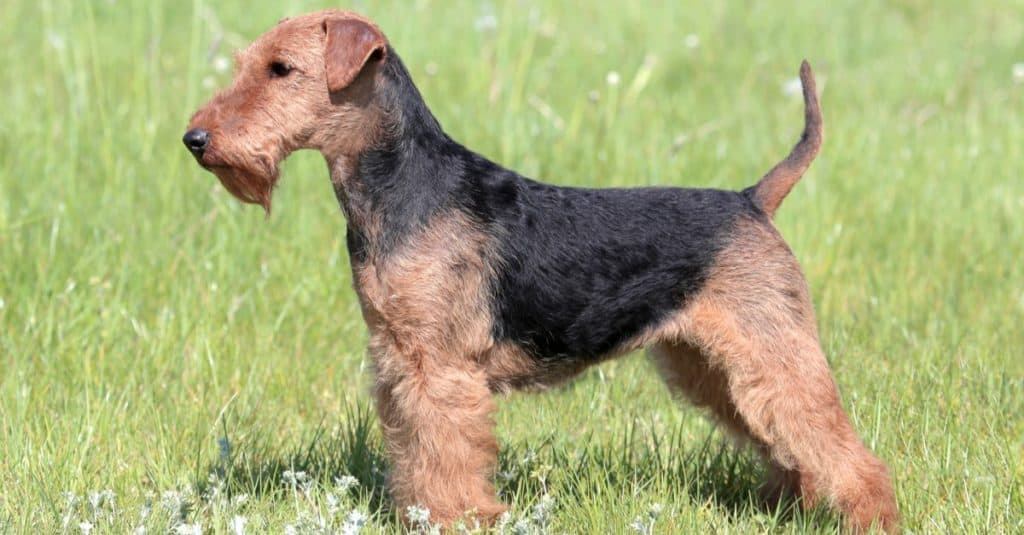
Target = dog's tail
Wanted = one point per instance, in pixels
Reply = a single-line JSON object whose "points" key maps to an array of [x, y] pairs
{"points": [[774, 186]]}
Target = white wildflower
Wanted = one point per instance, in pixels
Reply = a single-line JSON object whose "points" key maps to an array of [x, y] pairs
{"points": [[221, 64], [214, 493], [646, 527], [503, 521], [1018, 73], [72, 501], [346, 482], [95, 501], [298, 480], [86, 527], [417, 514], [486, 23], [56, 40], [613, 78], [291, 477], [419, 520], [354, 522], [692, 40], [144, 513], [521, 527], [188, 529], [333, 504], [792, 87], [238, 523], [542, 511], [101, 503], [172, 501]]}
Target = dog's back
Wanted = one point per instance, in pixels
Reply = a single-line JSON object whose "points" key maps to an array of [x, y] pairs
{"points": [[586, 270]]}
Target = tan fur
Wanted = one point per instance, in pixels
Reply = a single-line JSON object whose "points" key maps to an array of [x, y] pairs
{"points": [[689, 374], [777, 183], [254, 126], [509, 367], [430, 328], [747, 348], [351, 44]]}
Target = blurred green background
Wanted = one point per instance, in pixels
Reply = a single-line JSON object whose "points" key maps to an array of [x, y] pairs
{"points": [[206, 365]]}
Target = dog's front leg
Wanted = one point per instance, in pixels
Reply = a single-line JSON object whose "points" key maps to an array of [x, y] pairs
{"points": [[436, 420]]}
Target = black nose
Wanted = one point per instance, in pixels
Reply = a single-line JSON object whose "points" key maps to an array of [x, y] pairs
{"points": [[196, 140]]}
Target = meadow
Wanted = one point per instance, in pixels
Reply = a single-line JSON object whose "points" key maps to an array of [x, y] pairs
{"points": [[172, 360]]}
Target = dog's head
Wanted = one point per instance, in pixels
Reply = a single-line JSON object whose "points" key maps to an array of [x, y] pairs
{"points": [[310, 82]]}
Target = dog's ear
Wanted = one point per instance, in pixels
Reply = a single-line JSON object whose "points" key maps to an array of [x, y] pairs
{"points": [[349, 45]]}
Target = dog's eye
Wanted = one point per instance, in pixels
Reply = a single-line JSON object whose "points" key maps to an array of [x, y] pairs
{"points": [[279, 70]]}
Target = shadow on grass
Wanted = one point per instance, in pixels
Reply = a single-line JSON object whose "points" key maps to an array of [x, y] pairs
{"points": [[710, 471], [353, 448]]}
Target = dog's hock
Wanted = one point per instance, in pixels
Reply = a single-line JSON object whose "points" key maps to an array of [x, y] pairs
{"points": [[349, 45]]}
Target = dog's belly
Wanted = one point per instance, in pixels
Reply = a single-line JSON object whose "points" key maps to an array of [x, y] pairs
{"points": [[585, 271]]}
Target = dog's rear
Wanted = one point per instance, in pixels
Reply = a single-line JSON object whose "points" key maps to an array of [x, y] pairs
{"points": [[774, 186]]}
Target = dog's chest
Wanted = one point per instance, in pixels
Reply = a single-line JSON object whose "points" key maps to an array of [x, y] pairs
{"points": [[429, 299]]}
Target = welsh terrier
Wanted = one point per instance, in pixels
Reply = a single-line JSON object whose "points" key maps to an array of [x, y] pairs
{"points": [[474, 280]]}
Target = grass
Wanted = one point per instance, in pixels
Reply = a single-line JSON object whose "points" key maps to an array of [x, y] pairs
{"points": [[202, 363]]}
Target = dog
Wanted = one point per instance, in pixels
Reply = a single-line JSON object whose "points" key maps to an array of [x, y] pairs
{"points": [[474, 280]]}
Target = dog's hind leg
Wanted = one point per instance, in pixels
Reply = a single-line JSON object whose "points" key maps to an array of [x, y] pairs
{"points": [[689, 374], [763, 370], [783, 392]]}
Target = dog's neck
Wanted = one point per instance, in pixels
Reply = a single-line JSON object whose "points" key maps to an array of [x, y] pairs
{"points": [[395, 185]]}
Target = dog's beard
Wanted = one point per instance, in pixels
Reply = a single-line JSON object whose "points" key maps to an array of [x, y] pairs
{"points": [[249, 185]]}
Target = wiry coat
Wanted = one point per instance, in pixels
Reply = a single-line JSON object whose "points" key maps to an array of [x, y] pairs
{"points": [[474, 280]]}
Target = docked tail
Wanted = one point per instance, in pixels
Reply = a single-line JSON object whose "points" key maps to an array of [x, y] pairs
{"points": [[769, 192]]}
